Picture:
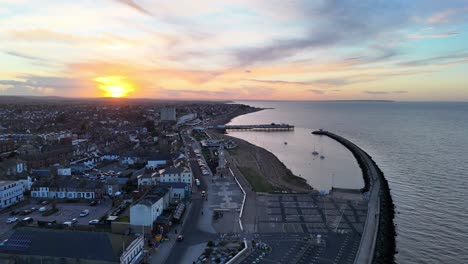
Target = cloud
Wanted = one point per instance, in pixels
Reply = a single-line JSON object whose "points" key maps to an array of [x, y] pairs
{"points": [[432, 36], [443, 16], [320, 83], [245, 92], [135, 6], [43, 34], [23, 56], [375, 92], [44, 84], [334, 23], [316, 91], [457, 57]]}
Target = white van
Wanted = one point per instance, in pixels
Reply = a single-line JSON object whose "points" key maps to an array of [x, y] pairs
{"points": [[197, 182]]}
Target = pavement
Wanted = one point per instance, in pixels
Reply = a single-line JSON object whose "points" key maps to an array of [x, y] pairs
{"points": [[249, 214]]}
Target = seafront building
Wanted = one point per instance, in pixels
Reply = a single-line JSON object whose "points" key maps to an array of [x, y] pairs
{"points": [[11, 192]]}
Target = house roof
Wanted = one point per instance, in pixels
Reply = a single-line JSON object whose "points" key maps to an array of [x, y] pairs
{"points": [[4, 183], [98, 246], [160, 156], [173, 170], [149, 200]]}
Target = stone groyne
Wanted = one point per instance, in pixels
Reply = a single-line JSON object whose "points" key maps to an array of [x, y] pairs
{"points": [[378, 237]]}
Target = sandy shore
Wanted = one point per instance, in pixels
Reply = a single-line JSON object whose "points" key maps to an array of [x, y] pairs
{"points": [[264, 171]]}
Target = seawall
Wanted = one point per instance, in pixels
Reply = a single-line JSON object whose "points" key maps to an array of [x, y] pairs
{"points": [[378, 237]]}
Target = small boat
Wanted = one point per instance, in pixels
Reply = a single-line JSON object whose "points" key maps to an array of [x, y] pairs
{"points": [[285, 143], [322, 156], [315, 153]]}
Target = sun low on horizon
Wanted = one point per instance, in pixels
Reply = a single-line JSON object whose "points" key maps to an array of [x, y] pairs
{"points": [[271, 50], [114, 86]]}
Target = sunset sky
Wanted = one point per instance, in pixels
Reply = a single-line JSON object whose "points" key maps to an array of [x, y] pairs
{"points": [[241, 49]]}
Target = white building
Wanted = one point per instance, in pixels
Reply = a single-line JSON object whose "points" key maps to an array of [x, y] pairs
{"points": [[168, 114], [64, 172], [146, 211], [11, 192], [133, 254], [26, 182], [185, 118], [179, 174], [68, 189], [148, 179], [158, 160]]}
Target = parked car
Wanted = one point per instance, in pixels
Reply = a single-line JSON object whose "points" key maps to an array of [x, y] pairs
{"points": [[33, 209], [94, 222], [14, 212], [93, 203], [197, 182], [84, 213], [74, 220], [26, 212], [203, 193], [180, 238], [2, 244], [27, 220], [42, 209], [44, 203], [12, 220]]}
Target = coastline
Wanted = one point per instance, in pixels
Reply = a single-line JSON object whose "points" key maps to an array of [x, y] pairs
{"points": [[260, 165]]}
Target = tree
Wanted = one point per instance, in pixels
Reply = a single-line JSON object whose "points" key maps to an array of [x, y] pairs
{"points": [[149, 124]]}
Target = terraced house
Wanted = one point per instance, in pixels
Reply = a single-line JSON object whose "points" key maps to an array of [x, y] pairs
{"points": [[68, 189]]}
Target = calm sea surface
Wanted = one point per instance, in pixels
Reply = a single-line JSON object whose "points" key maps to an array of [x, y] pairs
{"points": [[422, 148]]}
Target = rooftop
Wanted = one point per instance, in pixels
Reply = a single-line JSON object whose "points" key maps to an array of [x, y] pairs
{"points": [[57, 243]]}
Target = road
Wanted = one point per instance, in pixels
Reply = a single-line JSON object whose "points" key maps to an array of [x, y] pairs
{"points": [[192, 232]]}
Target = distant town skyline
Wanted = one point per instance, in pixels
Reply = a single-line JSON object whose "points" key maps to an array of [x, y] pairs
{"points": [[272, 50]]}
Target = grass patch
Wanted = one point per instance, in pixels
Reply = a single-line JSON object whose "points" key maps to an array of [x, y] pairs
{"points": [[50, 212], [206, 153], [256, 181]]}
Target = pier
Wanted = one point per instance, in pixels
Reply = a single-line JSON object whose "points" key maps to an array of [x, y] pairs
{"points": [[378, 237], [260, 127]]}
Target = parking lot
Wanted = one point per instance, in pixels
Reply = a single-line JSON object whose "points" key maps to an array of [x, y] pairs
{"points": [[67, 211], [290, 223], [309, 213]]}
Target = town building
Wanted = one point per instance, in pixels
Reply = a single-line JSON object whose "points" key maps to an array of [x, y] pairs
{"points": [[168, 114], [146, 211], [186, 118], [68, 189], [37, 245], [12, 167], [158, 160], [172, 174], [11, 192], [148, 179], [179, 190]]}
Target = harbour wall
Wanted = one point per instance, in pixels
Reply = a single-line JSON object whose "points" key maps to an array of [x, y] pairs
{"points": [[378, 238]]}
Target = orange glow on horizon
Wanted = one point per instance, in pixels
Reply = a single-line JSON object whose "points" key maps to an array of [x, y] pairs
{"points": [[114, 86]]}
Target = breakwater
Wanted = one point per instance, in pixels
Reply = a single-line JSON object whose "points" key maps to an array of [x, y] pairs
{"points": [[378, 238]]}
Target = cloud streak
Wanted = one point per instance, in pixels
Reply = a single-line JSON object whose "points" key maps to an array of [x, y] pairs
{"points": [[133, 5]]}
